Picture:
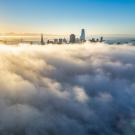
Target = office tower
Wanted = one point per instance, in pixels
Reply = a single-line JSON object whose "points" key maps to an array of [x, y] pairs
{"points": [[82, 37], [55, 41], [97, 40], [48, 41], [60, 41], [42, 39], [101, 39], [64, 41], [72, 38]]}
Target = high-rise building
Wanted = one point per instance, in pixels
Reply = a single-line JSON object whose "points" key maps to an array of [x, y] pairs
{"points": [[82, 37], [56, 41], [60, 41], [101, 39], [64, 41], [72, 38], [42, 39]]}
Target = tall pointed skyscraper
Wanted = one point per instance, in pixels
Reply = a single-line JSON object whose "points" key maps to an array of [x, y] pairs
{"points": [[82, 37], [42, 39]]}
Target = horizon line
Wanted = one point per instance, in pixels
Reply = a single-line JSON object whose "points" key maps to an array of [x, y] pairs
{"points": [[51, 34]]}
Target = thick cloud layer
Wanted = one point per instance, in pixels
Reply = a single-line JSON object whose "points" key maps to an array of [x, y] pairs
{"points": [[67, 90]]}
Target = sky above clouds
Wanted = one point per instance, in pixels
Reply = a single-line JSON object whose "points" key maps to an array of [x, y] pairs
{"points": [[66, 16]]}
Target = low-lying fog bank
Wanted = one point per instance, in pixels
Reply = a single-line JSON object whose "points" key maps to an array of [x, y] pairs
{"points": [[67, 90]]}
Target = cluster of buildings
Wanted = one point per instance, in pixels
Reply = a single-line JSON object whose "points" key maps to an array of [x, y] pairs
{"points": [[72, 39], [58, 41], [82, 38], [93, 40]]}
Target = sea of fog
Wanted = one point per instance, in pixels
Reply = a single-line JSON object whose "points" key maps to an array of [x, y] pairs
{"points": [[84, 89]]}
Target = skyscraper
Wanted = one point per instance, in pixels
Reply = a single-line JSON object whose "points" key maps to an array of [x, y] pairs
{"points": [[72, 38], [60, 41], [82, 37], [42, 39], [101, 39]]}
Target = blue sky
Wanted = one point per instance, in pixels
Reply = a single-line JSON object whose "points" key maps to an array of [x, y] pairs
{"points": [[68, 16]]}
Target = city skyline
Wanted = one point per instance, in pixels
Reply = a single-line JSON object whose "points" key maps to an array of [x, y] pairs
{"points": [[63, 17]]}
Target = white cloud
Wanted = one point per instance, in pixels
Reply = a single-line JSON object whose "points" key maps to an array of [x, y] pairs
{"points": [[69, 89]]}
